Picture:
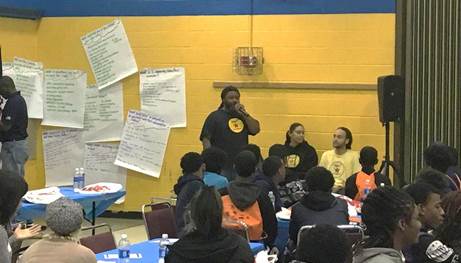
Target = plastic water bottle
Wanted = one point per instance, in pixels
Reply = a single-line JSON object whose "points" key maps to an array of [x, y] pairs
{"points": [[82, 178], [124, 249], [76, 179], [162, 248], [272, 198], [367, 189]]}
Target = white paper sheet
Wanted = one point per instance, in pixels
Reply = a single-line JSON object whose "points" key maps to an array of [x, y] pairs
{"points": [[63, 152], [28, 78], [103, 114], [143, 143], [64, 98], [99, 165], [163, 94], [109, 53]]}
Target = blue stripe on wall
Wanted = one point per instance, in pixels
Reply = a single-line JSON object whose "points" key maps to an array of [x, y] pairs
{"points": [[53, 8]]}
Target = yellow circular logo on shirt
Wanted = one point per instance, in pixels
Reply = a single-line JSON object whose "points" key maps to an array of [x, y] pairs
{"points": [[236, 125], [293, 161], [337, 169]]}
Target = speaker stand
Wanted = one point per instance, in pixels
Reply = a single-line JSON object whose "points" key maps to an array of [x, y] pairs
{"points": [[387, 163]]}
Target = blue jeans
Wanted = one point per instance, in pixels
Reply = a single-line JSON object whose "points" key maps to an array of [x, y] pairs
{"points": [[14, 156]]}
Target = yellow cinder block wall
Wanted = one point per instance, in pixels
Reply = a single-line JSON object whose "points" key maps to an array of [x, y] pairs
{"points": [[349, 48]]}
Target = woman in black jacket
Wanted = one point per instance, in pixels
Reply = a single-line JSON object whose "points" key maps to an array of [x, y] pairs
{"points": [[208, 241], [301, 156]]}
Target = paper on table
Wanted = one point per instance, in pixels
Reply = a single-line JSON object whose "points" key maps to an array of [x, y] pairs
{"points": [[143, 144], [109, 53], [163, 94], [64, 98], [63, 152], [99, 165], [103, 114]]}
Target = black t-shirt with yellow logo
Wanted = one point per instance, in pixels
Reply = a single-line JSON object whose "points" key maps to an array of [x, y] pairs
{"points": [[227, 131], [299, 160]]}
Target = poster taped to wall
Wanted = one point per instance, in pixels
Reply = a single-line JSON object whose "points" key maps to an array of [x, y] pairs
{"points": [[143, 144], [28, 79], [103, 114], [63, 151], [99, 165], [64, 98], [163, 94], [109, 54]]}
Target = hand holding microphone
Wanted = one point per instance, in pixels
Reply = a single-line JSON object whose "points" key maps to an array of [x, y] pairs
{"points": [[241, 109]]}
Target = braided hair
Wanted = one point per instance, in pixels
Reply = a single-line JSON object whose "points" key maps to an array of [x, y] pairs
{"points": [[450, 231], [381, 212], [224, 92]]}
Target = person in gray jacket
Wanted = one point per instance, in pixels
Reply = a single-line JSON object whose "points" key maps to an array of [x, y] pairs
{"points": [[391, 219]]}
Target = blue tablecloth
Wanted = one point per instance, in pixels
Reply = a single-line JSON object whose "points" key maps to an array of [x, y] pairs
{"points": [[149, 251], [29, 211]]}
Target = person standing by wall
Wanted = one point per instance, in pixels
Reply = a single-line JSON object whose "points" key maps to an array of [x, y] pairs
{"points": [[228, 128], [13, 128]]}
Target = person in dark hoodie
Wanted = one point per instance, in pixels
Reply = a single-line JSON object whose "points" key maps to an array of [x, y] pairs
{"points": [[318, 206], [208, 241], [188, 185], [243, 193], [431, 216], [301, 156], [359, 184], [274, 171], [391, 220]]}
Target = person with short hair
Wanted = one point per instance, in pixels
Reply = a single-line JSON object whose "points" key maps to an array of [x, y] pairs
{"points": [[209, 241], [273, 173], [431, 216], [318, 206], [214, 159], [13, 128], [323, 244], [280, 151], [188, 185], [440, 157], [256, 150], [392, 224], [435, 178], [64, 217], [359, 184], [244, 194], [228, 128], [341, 161], [301, 155]]}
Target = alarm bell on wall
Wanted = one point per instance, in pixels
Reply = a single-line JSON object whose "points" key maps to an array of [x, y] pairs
{"points": [[248, 60]]}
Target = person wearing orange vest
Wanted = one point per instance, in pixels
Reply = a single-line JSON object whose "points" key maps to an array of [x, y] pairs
{"points": [[363, 182]]}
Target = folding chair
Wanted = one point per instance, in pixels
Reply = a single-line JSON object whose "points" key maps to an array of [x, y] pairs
{"points": [[159, 218], [100, 242], [237, 227]]}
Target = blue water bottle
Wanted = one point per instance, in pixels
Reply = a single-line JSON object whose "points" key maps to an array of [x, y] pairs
{"points": [[124, 249]]}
